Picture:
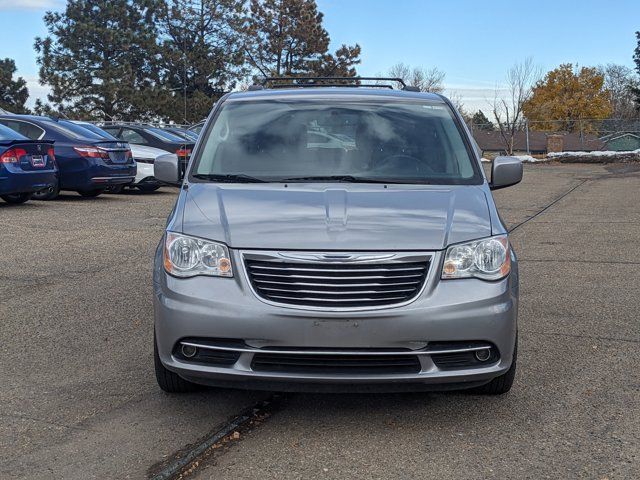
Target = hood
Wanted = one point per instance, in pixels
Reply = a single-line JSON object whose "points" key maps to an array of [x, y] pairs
{"points": [[142, 151], [336, 217]]}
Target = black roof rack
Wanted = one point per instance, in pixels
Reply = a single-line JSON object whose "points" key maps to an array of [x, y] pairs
{"points": [[287, 82]]}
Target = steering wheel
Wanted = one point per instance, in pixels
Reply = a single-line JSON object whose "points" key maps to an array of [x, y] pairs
{"points": [[395, 163]]}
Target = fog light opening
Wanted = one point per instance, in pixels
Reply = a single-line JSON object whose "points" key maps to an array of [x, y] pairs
{"points": [[481, 355], [189, 351]]}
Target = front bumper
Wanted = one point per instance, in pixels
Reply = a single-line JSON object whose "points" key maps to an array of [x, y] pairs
{"points": [[144, 174], [467, 310]]}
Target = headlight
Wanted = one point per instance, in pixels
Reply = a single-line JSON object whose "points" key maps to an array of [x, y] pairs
{"points": [[489, 259], [186, 256]]}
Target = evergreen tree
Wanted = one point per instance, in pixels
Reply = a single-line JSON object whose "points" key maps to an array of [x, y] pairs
{"points": [[481, 122], [636, 59], [286, 38], [202, 54], [13, 93], [100, 59]]}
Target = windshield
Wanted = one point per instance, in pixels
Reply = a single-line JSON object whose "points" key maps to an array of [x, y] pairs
{"points": [[186, 134], [164, 135], [324, 140], [93, 128], [71, 130]]}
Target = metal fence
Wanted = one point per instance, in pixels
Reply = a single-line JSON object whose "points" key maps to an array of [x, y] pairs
{"points": [[588, 132]]}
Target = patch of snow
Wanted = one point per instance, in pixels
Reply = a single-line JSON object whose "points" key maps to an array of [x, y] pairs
{"points": [[595, 153], [485, 160], [529, 159]]}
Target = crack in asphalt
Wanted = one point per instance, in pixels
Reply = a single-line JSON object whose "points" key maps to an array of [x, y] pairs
{"points": [[47, 422], [579, 335], [185, 461], [540, 212]]}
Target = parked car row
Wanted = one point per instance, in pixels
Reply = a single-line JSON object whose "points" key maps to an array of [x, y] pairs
{"points": [[41, 156]]}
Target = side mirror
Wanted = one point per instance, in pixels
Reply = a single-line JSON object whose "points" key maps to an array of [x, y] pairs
{"points": [[505, 171], [166, 169]]}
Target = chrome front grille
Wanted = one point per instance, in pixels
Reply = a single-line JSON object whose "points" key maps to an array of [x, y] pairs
{"points": [[328, 281]]}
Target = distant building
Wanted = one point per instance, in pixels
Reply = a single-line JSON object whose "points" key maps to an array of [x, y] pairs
{"points": [[540, 143], [621, 142]]}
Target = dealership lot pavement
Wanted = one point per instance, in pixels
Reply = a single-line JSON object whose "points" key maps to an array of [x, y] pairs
{"points": [[79, 400]]}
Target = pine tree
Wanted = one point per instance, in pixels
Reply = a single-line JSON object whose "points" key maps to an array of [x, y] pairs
{"points": [[100, 59], [481, 122], [567, 99], [201, 50], [286, 38], [13, 93], [636, 59]]}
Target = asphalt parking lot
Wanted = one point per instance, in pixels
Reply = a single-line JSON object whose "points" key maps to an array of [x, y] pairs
{"points": [[79, 398]]}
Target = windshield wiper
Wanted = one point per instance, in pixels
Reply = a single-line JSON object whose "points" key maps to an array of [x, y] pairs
{"points": [[340, 178], [228, 178]]}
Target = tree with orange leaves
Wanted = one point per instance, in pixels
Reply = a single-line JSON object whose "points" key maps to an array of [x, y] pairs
{"points": [[568, 99]]}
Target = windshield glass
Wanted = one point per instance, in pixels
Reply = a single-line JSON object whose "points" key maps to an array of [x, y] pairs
{"points": [[93, 128], [307, 140], [164, 135], [72, 130]]}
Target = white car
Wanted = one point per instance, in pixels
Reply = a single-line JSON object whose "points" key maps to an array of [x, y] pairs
{"points": [[145, 157]]}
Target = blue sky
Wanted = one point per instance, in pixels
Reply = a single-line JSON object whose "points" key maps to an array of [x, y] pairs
{"points": [[473, 42]]}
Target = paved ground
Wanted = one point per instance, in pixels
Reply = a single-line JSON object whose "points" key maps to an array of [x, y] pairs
{"points": [[78, 397]]}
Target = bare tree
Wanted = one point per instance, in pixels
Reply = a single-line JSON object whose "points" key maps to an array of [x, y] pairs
{"points": [[507, 109], [426, 79], [456, 100], [620, 81]]}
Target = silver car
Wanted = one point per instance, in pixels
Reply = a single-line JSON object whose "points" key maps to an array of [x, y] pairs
{"points": [[377, 263]]}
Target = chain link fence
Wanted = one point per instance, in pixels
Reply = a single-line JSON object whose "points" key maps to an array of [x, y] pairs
{"points": [[586, 134]]}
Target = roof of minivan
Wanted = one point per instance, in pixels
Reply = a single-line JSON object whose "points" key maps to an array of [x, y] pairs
{"points": [[335, 91]]}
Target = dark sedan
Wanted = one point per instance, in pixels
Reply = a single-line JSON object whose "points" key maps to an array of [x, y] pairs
{"points": [[183, 133], [26, 166], [88, 163], [154, 137]]}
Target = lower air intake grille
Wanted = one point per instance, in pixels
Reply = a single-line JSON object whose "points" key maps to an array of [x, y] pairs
{"points": [[337, 285], [336, 364]]}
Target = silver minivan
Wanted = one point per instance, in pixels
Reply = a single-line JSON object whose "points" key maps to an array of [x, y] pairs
{"points": [[336, 238]]}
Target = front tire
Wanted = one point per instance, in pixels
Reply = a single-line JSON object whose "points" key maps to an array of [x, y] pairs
{"points": [[91, 193], [167, 380], [502, 384], [16, 198]]}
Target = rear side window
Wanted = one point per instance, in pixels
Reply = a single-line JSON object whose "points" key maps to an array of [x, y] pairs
{"points": [[393, 140], [7, 134], [132, 136], [29, 130]]}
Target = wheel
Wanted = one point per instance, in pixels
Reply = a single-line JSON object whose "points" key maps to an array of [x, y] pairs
{"points": [[503, 383], [167, 380], [47, 194], [148, 188], [115, 189], [16, 198], [91, 193]]}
